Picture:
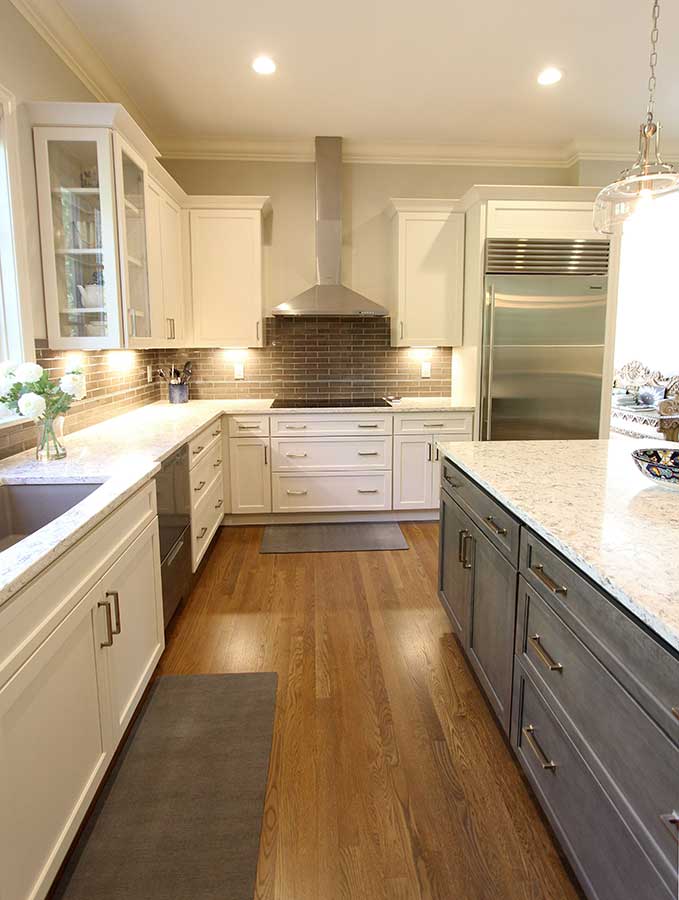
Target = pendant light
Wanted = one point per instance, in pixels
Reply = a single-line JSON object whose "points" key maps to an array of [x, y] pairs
{"points": [[649, 177]]}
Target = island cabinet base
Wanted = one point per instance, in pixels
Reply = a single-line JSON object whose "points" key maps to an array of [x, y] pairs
{"points": [[592, 697]]}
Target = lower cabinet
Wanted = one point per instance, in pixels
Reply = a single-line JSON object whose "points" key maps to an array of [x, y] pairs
{"points": [[417, 468], [250, 475], [455, 579], [65, 705]]}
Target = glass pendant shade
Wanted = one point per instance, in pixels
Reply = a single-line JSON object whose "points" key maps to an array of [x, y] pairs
{"points": [[647, 179]]}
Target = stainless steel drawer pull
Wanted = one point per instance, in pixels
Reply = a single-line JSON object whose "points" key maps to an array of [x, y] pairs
{"points": [[429, 452], [466, 562], [498, 529], [202, 534], [539, 571], [366, 491], [198, 450], [295, 427], [295, 455], [546, 763], [675, 712], [534, 641], [363, 425], [201, 485], [109, 624], [368, 453], [218, 505], [217, 464], [248, 427], [450, 481], [432, 425], [460, 542], [116, 609], [297, 493], [215, 433]]}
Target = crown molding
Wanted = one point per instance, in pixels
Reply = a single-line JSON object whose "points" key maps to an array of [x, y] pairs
{"points": [[64, 37]]}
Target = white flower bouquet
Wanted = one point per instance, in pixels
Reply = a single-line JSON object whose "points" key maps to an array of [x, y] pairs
{"points": [[27, 389]]}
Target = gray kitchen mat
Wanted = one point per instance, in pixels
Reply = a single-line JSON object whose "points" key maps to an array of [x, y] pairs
{"points": [[332, 538], [181, 813]]}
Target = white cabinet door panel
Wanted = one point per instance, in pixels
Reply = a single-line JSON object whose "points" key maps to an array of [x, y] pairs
{"points": [[412, 471], [250, 475]]}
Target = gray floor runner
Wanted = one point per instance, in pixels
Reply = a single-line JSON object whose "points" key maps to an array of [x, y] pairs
{"points": [[335, 537], [181, 813]]}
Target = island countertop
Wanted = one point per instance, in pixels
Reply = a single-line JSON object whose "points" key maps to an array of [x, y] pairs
{"points": [[588, 500]]}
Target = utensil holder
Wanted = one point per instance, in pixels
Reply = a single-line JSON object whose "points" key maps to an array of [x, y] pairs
{"points": [[179, 393]]}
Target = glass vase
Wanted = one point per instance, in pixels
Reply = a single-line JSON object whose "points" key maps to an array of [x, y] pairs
{"points": [[50, 438]]}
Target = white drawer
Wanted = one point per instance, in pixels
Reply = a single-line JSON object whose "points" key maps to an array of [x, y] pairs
{"points": [[203, 474], [340, 453], [201, 443], [206, 520], [248, 426], [416, 423], [335, 492], [331, 424]]}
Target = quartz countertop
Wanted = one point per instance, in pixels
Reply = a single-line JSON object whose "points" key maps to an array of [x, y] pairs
{"points": [[588, 500], [123, 453]]}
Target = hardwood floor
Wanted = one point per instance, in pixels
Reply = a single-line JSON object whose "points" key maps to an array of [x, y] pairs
{"points": [[389, 778]]}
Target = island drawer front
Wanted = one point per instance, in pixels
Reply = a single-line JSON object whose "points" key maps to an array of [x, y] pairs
{"points": [[204, 472], [418, 423], [248, 426], [201, 444], [604, 852], [331, 424], [345, 453], [640, 662], [333, 492], [494, 521], [607, 724]]}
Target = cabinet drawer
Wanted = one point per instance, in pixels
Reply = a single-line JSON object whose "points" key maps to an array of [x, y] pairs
{"points": [[344, 453], [416, 423], [204, 472], [609, 862], [331, 424], [248, 426], [643, 665], [608, 722], [331, 492], [493, 520], [201, 443], [205, 522]]}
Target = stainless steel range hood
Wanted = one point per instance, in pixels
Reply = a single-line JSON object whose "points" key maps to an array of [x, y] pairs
{"points": [[329, 297]]}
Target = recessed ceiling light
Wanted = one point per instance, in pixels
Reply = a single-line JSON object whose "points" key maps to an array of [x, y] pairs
{"points": [[550, 75], [264, 65]]}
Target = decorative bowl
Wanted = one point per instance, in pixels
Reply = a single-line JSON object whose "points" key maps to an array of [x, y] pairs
{"points": [[660, 464]]}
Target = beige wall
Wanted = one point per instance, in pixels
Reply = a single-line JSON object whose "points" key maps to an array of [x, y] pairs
{"points": [[367, 190], [32, 71]]}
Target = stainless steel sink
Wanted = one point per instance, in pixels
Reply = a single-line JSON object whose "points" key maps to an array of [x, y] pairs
{"points": [[24, 508]]}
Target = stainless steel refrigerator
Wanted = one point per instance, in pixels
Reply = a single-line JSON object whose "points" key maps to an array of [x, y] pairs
{"points": [[543, 339]]}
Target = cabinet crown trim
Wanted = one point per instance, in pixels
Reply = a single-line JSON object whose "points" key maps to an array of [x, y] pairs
{"points": [[219, 201], [423, 205]]}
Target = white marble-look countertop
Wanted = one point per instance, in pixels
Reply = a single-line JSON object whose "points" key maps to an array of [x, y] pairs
{"points": [[123, 453], [588, 500]]}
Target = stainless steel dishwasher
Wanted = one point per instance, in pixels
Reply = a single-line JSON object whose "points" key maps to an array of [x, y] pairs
{"points": [[174, 523]]}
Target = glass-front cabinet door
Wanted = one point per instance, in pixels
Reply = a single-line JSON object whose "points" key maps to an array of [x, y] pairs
{"points": [[132, 200], [76, 200]]}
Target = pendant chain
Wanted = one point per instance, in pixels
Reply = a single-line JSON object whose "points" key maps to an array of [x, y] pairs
{"points": [[653, 60]]}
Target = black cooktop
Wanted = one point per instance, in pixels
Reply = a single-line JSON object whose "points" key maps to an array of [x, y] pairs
{"points": [[328, 404]]}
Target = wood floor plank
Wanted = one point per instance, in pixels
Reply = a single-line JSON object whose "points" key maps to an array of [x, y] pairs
{"points": [[389, 777]]}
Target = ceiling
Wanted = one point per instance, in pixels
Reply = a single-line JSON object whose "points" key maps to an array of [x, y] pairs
{"points": [[391, 74]]}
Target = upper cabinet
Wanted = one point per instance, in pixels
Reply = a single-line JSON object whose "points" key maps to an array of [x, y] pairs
{"points": [[428, 273], [166, 270], [77, 203], [226, 271]]}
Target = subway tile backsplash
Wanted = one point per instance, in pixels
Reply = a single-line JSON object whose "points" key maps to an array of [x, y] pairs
{"points": [[317, 357]]}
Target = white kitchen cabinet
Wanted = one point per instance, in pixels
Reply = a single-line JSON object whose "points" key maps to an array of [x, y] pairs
{"points": [[133, 597], [55, 745], [426, 301], [165, 268], [250, 475], [417, 468], [226, 274]]}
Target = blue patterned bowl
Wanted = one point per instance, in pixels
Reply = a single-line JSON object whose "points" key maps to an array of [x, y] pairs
{"points": [[661, 465]]}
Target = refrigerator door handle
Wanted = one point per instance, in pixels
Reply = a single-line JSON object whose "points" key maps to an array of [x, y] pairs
{"points": [[489, 373]]}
